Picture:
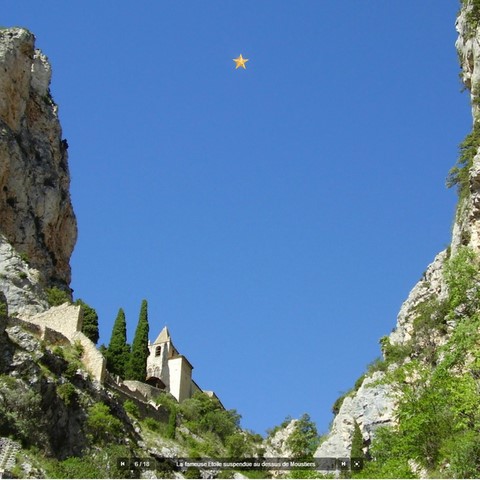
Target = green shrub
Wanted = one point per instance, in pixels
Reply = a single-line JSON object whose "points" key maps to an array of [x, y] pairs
{"points": [[395, 353], [98, 463], [205, 414], [462, 455], [56, 297], [67, 393], [337, 405], [3, 307], [25, 258], [74, 467], [437, 414], [168, 401], [260, 474], [72, 368], [153, 425], [431, 315], [298, 473], [78, 349], [210, 446], [462, 276], [472, 16], [358, 382], [226, 474], [441, 405], [102, 426], [21, 413], [58, 351], [389, 456], [172, 424], [304, 439], [192, 472], [236, 445], [377, 365], [242, 444], [431, 319], [131, 408], [459, 173]]}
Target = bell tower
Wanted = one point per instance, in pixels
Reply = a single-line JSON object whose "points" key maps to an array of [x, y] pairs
{"points": [[161, 350]]}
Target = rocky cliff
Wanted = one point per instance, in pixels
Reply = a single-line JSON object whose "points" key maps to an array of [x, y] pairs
{"points": [[38, 229], [430, 324]]}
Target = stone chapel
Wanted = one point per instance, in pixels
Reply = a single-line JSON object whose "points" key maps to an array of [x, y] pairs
{"points": [[168, 370]]}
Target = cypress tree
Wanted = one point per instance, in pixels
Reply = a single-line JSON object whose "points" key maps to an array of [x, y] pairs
{"points": [[118, 352], [357, 442], [137, 366], [90, 321]]}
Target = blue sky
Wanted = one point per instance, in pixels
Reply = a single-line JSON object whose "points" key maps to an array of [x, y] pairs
{"points": [[275, 218]]}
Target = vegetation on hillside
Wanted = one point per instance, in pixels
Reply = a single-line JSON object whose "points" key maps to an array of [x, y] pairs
{"points": [[56, 296], [459, 174], [304, 440], [438, 413], [436, 375], [472, 15]]}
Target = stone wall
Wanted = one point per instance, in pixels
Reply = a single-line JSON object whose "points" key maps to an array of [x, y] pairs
{"points": [[67, 320], [93, 360], [146, 407], [180, 377], [52, 337], [36, 330], [148, 391]]}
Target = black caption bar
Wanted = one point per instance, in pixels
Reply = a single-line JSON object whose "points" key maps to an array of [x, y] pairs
{"points": [[182, 464]]}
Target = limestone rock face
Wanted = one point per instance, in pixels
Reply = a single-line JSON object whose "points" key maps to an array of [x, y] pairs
{"points": [[36, 215], [371, 407], [276, 446], [466, 229], [430, 286], [373, 404], [20, 283]]}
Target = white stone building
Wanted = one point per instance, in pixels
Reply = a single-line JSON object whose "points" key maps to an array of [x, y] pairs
{"points": [[170, 371]]}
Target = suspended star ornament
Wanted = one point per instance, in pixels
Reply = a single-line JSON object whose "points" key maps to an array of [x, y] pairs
{"points": [[240, 62]]}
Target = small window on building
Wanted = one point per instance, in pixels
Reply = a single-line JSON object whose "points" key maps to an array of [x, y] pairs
{"points": [[158, 351]]}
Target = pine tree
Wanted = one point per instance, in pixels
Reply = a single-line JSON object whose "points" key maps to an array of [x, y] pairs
{"points": [[90, 321], [137, 366], [118, 352]]}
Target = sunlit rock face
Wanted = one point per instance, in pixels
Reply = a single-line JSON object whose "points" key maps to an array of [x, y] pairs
{"points": [[466, 229], [36, 214]]}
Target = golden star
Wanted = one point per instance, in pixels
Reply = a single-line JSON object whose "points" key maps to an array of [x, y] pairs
{"points": [[240, 62]]}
